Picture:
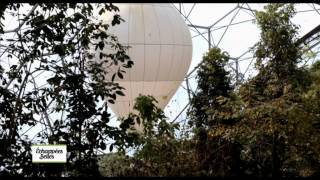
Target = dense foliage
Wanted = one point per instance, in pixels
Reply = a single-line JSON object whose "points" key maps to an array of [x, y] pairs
{"points": [[57, 41]]}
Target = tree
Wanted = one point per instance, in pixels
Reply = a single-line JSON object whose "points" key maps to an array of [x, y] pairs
{"points": [[270, 120], [57, 40], [214, 111], [213, 82], [273, 101], [157, 144], [157, 151]]}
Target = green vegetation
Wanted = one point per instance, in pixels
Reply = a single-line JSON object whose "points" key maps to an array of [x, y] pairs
{"points": [[269, 126], [54, 43]]}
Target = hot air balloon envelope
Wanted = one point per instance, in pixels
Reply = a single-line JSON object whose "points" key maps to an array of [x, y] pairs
{"points": [[160, 47]]}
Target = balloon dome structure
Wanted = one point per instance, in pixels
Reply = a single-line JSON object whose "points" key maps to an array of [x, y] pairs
{"points": [[160, 47]]}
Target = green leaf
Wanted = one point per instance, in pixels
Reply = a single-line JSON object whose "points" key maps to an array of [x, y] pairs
{"points": [[113, 77], [120, 75], [101, 45], [111, 101], [102, 145], [116, 20], [120, 93], [102, 10], [111, 148]]}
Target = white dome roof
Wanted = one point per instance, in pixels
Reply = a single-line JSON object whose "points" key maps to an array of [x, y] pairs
{"points": [[161, 49]]}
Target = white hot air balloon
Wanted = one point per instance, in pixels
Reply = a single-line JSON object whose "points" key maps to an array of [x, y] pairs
{"points": [[161, 49]]}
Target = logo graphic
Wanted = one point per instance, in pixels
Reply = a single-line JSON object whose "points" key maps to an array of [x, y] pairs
{"points": [[49, 153]]}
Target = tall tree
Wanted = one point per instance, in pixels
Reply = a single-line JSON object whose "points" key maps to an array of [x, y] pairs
{"points": [[64, 44], [214, 110], [274, 113]]}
